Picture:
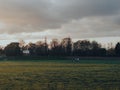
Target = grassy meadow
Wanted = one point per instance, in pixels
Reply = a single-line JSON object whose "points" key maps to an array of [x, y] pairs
{"points": [[60, 75]]}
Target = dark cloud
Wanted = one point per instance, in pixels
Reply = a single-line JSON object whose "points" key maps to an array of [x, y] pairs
{"points": [[80, 18]]}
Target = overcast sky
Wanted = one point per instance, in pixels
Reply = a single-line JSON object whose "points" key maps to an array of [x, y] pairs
{"points": [[80, 19]]}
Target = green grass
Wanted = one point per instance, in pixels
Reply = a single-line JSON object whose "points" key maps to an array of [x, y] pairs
{"points": [[59, 75]]}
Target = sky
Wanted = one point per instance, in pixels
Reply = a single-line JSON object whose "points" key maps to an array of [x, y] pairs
{"points": [[32, 20]]}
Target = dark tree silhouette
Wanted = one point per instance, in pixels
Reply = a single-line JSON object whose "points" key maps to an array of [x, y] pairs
{"points": [[96, 49], [55, 48], [117, 49], [82, 48], [1, 51], [110, 52], [41, 49], [38, 49], [13, 49], [31, 48], [66, 46]]}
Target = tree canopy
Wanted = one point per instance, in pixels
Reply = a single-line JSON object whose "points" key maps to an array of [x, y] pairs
{"points": [[65, 47]]}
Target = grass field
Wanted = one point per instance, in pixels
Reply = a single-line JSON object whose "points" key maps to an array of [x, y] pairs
{"points": [[60, 75]]}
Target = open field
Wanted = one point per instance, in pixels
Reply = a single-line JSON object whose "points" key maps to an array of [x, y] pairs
{"points": [[60, 75]]}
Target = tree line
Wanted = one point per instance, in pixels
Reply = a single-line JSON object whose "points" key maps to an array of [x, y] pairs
{"points": [[65, 47]]}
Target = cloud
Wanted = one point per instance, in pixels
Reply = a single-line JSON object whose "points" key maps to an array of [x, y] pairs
{"points": [[91, 27], [59, 18]]}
